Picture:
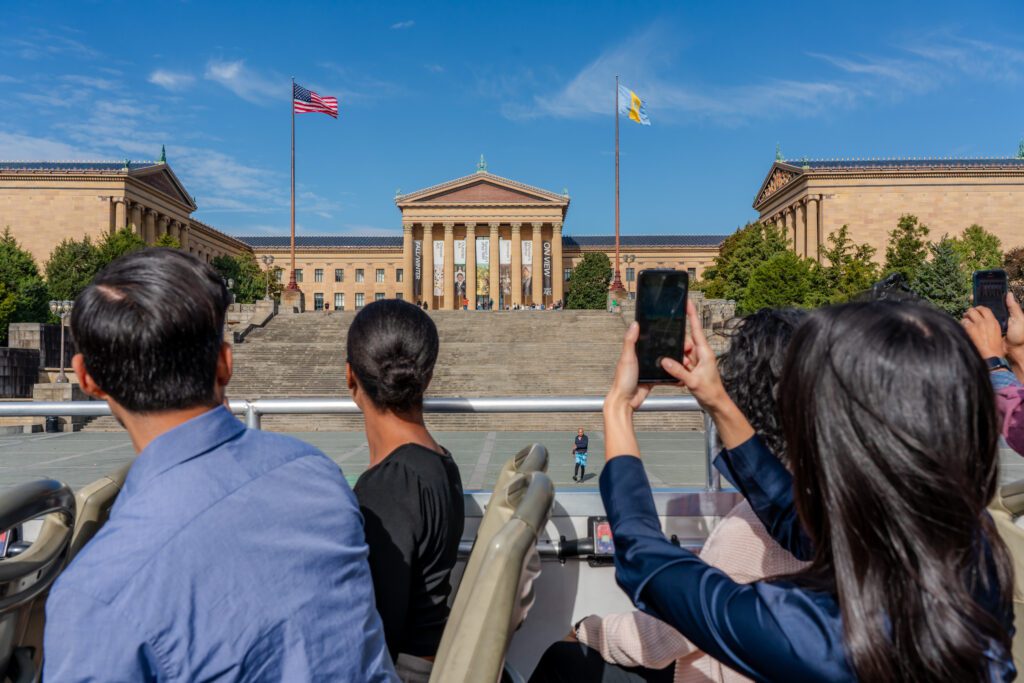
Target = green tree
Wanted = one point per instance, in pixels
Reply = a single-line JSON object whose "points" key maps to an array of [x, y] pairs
{"points": [[22, 290], [588, 282], [168, 240], [847, 269], [978, 249], [907, 250], [739, 255], [116, 244], [1013, 264], [783, 280], [250, 281], [71, 267], [941, 280]]}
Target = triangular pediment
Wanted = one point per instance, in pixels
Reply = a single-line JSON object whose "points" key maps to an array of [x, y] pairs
{"points": [[780, 175], [163, 180], [482, 188]]}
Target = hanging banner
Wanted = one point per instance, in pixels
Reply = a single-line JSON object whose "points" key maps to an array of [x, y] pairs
{"points": [[483, 268], [545, 268], [505, 270], [438, 267], [527, 270], [417, 269], [460, 273]]}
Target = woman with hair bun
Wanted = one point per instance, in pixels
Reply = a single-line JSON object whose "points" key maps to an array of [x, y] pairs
{"points": [[411, 496]]}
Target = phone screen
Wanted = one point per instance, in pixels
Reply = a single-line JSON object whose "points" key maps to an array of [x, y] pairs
{"points": [[661, 313], [990, 291]]}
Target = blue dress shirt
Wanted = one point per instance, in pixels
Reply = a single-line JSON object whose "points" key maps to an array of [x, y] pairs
{"points": [[774, 631], [230, 555]]}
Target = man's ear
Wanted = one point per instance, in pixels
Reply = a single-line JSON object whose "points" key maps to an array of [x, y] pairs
{"points": [[350, 380], [225, 365], [85, 380]]}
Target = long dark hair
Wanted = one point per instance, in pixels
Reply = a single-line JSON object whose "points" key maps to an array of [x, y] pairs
{"points": [[752, 366], [894, 448], [392, 347]]}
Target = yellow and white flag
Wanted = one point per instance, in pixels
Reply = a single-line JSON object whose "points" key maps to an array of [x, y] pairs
{"points": [[631, 105]]}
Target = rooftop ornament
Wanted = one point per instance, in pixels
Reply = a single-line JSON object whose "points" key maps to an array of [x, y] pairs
{"points": [[778, 152], [481, 166], [1020, 149], [127, 164], [163, 154]]}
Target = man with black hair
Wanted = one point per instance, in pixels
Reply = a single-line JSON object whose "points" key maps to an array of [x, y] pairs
{"points": [[230, 554]]}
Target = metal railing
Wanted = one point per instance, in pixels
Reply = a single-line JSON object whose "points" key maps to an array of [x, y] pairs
{"points": [[254, 410]]}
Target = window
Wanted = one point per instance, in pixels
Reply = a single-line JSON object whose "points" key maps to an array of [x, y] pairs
{"points": [[692, 272], [399, 296], [339, 274], [630, 274], [339, 302], [298, 274], [318, 301], [567, 274], [379, 296], [359, 299], [318, 275], [380, 275], [359, 275], [279, 274], [399, 275]]}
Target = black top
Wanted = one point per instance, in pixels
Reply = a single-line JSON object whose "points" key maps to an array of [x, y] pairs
{"points": [[581, 444], [414, 515]]}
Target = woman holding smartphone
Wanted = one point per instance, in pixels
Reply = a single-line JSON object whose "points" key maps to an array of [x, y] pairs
{"points": [[891, 428]]}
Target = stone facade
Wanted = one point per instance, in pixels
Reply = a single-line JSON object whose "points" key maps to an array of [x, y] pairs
{"points": [[812, 199]]}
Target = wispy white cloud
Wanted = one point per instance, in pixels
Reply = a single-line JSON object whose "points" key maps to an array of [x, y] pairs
{"points": [[171, 80], [17, 147], [434, 68], [4, 78], [399, 25], [348, 85], [250, 84], [42, 43]]}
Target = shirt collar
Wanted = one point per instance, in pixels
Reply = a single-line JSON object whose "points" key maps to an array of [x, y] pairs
{"points": [[186, 441]]}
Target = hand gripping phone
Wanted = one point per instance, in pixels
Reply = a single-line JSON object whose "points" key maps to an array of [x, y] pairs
{"points": [[990, 287], [661, 314]]}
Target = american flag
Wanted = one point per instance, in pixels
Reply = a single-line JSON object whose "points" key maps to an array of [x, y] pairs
{"points": [[306, 102]]}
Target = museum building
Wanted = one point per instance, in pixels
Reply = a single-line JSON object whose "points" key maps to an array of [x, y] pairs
{"points": [[812, 199], [479, 241]]}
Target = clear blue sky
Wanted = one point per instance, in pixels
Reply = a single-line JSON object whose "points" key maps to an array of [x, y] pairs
{"points": [[425, 88]]}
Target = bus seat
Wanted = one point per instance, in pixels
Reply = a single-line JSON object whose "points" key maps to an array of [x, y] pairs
{"points": [[475, 641], [29, 574], [1005, 509], [533, 458], [92, 502]]}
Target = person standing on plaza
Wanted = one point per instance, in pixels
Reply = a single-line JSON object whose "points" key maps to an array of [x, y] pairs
{"points": [[411, 496], [230, 554], [579, 451]]}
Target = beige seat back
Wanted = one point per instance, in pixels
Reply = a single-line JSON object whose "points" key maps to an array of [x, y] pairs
{"points": [[475, 641], [1005, 509], [533, 458]]}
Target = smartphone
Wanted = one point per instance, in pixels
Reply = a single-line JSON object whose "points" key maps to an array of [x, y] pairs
{"points": [[661, 313], [990, 291]]}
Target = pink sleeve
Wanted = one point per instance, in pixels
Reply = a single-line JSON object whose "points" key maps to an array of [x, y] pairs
{"points": [[634, 639], [1009, 401]]}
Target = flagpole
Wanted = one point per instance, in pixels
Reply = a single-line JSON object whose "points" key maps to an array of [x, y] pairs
{"points": [[291, 279], [617, 279]]}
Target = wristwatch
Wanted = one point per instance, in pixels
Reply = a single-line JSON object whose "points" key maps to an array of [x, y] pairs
{"points": [[995, 363]]}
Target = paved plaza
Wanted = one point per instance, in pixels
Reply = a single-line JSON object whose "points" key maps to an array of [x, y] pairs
{"points": [[672, 458]]}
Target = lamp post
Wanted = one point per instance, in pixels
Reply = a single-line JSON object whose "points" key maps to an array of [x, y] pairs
{"points": [[62, 309], [268, 261], [628, 259]]}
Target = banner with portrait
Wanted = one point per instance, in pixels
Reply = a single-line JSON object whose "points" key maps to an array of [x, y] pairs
{"points": [[459, 272], [527, 270], [483, 267], [546, 268], [417, 269], [438, 267], [505, 269]]}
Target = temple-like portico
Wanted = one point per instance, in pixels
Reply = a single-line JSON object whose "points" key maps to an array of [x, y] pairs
{"points": [[482, 241]]}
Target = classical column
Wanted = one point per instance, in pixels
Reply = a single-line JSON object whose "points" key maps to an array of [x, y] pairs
{"points": [[137, 223], [537, 295], [428, 263], [183, 235], [557, 277], [471, 265], [163, 226], [449, 266], [120, 214], [149, 226], [787, 217], [800, 212], [495, 286], [517, 264], [813, 237], [408, 264]]}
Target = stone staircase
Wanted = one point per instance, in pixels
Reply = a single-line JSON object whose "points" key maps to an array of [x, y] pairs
{"points": [[521, 353]]}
